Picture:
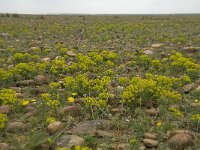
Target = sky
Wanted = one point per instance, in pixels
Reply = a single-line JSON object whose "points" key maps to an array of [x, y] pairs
{"points": [[100, 6]]}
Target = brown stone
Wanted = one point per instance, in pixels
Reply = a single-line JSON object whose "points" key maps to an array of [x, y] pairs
{"points": [[17, 89], [55, 127], [71, 53], [4, 146], [72, 110], [156, 45], [26, 83], [195, 105], [152, 112], [20, 95], [68, 141], [16, 126], [180, 141], [150, 136], [41, 79], [123, 146], [5, 109], [150, 143], [189, 87]]}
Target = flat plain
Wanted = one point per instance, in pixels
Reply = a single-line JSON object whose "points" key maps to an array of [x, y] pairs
{"points": [[99, 82]]}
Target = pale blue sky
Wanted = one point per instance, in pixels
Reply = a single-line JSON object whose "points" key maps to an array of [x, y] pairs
{"points": [[100, 6]]}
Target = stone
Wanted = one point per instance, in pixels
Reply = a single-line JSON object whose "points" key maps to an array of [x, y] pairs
{"points": [[43, 146], [17, 126], [142, 147], [150, 143], [189, 87], [152, 112], [116, 111], [180, 141], [101, 133], [191, 49], [71, 53], [120, 89], [198, 89], [4, 146], [5, 109], [68, 141], [123, 146], [46, 59], [195, 105], [17, 89], [150, 136], [55, 127], [90, 127], [156, 45], [72, 110], [148, 52], [41, 79], [26, 83], [20, 95], [31, 113]]}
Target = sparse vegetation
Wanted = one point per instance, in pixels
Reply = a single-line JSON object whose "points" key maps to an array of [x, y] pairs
{"points": [[110, 82]]}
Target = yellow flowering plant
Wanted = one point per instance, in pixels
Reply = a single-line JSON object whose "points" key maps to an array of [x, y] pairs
{"points": [[3, 120], [8, 96]]}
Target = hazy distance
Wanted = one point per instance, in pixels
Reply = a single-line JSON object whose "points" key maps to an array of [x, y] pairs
{"points": [[100, 6]]}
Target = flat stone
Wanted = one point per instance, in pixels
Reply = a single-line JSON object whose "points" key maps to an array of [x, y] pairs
{"points": [[123, 146], [71, 53], [55, 127], [150, 143], [26, 83], [148, 52], [41, 79], [191, 49], [156, 45], [72, 110], [17, 89], [46, 59], [20, 95], [31, 113], [189, 87], [150, 136], [68, 141], [17, 126], [180, 141], [4, 146], [91, 127], [152, 112], [5, 109], [198, 89], [195, 105]]}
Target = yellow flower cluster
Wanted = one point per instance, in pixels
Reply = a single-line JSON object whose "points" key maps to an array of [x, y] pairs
{"points": [[150, 88], [176, 112], [54, 85], [195, 117], [58, 66], [81, 148], [182, 64], [8, 96], [50, 120], [3, 120], [91, 101], [50, 102]]}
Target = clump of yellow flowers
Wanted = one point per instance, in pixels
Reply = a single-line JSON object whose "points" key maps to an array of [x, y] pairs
{"points": [[8, 96], [49, 101], [153, 87], [75, 148], [50, 120], [3, 120], [176, 112]]}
